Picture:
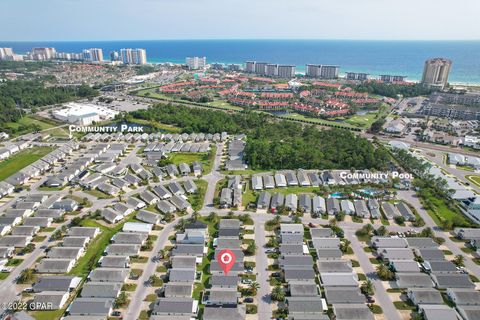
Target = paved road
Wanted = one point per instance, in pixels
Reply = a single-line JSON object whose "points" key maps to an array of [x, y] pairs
{"points": [[438, 159], [212, 179], [136, 299], [381, 295], [263, 295]]}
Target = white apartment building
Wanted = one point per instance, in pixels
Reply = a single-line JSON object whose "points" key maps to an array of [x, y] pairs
{"points": [[196, 63], [133, 56]]}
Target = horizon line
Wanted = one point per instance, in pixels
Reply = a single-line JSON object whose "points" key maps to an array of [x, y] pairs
{"points": [[253, 39]]}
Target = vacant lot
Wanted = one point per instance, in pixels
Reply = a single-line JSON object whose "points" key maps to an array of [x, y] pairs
{"points": [[21, 159]]}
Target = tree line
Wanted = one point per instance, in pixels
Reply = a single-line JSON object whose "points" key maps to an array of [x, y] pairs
{"points": [[392, 90], [27, 94], [276, 144]]}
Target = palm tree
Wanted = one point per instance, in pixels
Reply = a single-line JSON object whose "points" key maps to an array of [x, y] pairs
{"points": [[278, 294], [368, 228], [254, 287], [367, 287], [25, 276], [212, 216], [344, 245], [384, 273], [459, 260], [195, 215]]}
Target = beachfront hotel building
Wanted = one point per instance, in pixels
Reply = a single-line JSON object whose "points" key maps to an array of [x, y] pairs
{"points": [[357, 76], [250, 66], [322, 71], [196, 63], [435, 73], [272, 70], [7, 54], [133, 56], [261, 68], [41, 53], [286, 71], [392, 78], [93, 55]]}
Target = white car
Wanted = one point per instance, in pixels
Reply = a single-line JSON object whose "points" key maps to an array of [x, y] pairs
{"points": [[6, 269]]}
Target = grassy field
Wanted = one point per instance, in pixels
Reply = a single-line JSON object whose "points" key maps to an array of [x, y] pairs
{"points": [[21, 159], [97, 193], [300, 117], [158, 125], [251, 195], [243, 172], [47, 315], [40, 122], [366, 120], [196, 200], [440, 211], [465, 168], [221, 104], [205, 158], [475, 179], [95, 248]]}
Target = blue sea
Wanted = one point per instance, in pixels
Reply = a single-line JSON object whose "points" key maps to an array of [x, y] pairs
{"points": [[373, 57]]}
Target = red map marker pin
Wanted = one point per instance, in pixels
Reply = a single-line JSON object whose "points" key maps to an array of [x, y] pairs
{"points": [[226, 259]]}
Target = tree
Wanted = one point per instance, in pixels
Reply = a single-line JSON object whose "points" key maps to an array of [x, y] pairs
{"points": [[384, 273], [26, 276], [278, 294], [251, 248], [427, 233], [212, 217], [419, 222], [367, 288], [121, 300], [399, 219], [180, 225], [254, 287], [272, 242], [381, 231], [345, 245], [57, 235], [340, 216], [459, 260]]}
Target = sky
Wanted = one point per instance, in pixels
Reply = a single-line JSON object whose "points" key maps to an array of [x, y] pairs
{"points": [[46, 20]]}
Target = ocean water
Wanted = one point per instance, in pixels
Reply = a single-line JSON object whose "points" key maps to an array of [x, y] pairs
{"points": [[373, 57]]}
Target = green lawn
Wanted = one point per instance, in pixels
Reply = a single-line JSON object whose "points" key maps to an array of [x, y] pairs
{"points": [[466, 168], [28, 121], [97, 193], [47, 315], [205, 158], [216, 103], [366, 120], [475, 179], [157, 125], [330, 123], [440, 211], [196, 199], [295, 189], [21, 159], [95, 248], [249, 195]]}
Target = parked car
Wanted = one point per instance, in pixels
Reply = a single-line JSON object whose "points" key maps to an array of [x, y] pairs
{"points": [[246, 281], [248, 300]]}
